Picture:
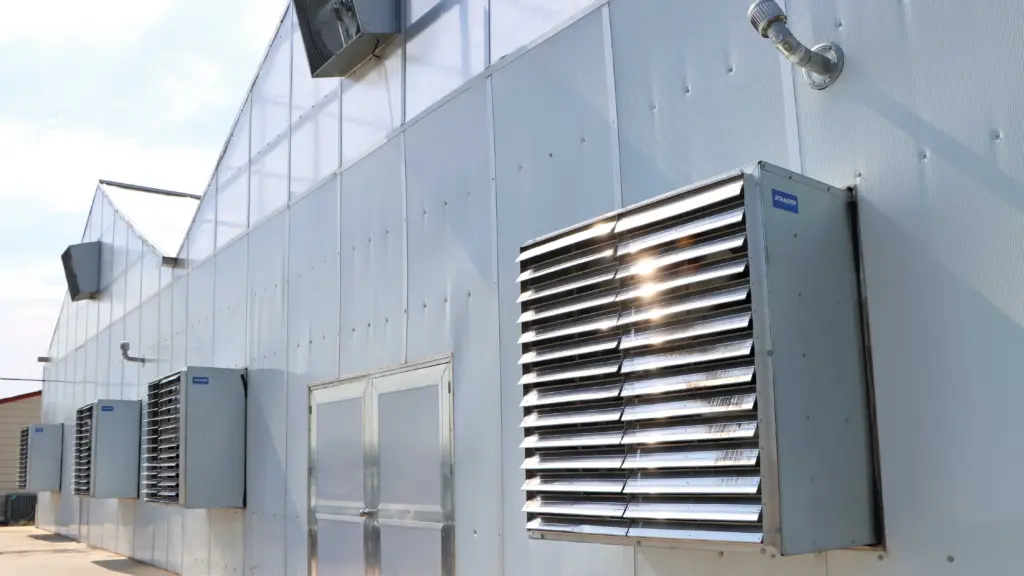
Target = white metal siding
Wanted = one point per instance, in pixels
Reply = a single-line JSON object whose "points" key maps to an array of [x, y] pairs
{"points": [[924, 120]]}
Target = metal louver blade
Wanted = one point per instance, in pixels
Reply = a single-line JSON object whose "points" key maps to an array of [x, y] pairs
{"points": [[593, 231], [23, 459], [639, 388], [83, 455], [161, 463]]}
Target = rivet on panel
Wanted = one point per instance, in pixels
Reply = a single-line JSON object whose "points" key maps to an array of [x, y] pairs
{"points": [[551, 154], [996, 135], [732, 69], [583, 140], [924, 155], [688, 90], [839, 23], [520, 166], [950, 559], [654, 107]]}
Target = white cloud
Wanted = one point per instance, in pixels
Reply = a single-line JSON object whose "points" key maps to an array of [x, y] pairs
{"points": [[61, 165], [101, 23], [195, 85]]}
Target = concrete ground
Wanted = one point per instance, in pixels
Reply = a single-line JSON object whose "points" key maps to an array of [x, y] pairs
{"points": [[29, 551]]}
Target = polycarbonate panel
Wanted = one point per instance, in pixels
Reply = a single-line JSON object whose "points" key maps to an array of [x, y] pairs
{"points": [[339, 454], [201, 235], [515, 23], [409, 445], [306, 91], [344, 556], [371, 103], [268, 181], [445, 47], [237, 153], [406, 550], [233, 206], [151, 270], [119, 250], [133, 286], [270, 93], [316, 143]]}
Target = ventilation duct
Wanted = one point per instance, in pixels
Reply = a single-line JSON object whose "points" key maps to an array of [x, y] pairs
{"points": [[107, 449], [193, 438], [39, 457], [82, 270], [692, 370]]}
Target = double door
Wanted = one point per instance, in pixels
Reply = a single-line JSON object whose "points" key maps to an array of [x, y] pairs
{"points": [[380, 492]]}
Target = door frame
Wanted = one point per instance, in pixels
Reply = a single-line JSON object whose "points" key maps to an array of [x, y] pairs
{"points": [[344, 388]]}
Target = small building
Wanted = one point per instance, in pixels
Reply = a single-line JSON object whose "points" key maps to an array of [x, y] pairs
{"points": [[16, 412]]}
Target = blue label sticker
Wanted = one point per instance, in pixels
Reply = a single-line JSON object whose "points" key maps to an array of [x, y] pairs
{"points": [[787, 202], [107, 408], [200, 380], [38, 429]]}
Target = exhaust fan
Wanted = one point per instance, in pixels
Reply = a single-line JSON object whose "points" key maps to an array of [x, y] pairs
{"points": [[39, 457], [693, 370], [107, 449], [339, 35], [193, 439]]}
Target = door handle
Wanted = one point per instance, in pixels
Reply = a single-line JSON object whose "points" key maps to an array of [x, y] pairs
{"points": [[367, 512]]}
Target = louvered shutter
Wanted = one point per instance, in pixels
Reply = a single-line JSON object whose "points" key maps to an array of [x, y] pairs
{"points": [[639, 404]]}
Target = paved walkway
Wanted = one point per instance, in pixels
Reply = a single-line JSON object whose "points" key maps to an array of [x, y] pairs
{"points": [[30, 552]]}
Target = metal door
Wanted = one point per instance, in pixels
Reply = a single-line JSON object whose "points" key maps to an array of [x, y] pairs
{"points": [[381, 500]]}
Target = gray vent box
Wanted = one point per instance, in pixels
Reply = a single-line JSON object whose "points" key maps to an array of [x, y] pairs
{"points": [[693, 370], [193, 436], [82, 270], [339, 35], [107, 449], [39, 459]]}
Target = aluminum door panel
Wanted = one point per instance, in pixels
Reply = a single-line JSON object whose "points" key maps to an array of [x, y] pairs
{"points": [[410, 551], [340, 548], [339, 468], [410, 484]]}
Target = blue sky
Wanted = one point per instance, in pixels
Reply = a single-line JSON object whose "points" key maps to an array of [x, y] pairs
{"points": [[135, 91]]}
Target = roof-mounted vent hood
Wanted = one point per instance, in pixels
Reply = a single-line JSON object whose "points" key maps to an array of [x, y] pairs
{"points": [[339, 35], [82, 270]]}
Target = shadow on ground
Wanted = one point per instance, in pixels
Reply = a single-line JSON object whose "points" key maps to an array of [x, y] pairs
{"points": [[54, 538]]}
